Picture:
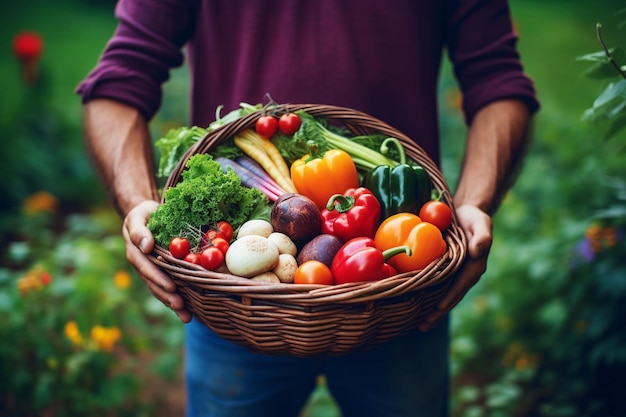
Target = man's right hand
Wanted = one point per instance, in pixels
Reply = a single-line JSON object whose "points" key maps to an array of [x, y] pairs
{"points": [[140, 242]]}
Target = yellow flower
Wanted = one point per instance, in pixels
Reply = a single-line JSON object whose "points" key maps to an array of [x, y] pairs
{"points": [[73, 333], [122, 279], [105, 337], [481, 303], [40, 201]]}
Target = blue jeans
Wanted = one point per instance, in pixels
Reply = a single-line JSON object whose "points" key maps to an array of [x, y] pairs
{"points": [[405, 377]]}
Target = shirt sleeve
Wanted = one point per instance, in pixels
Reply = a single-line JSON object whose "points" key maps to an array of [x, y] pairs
{"points": [[146, 45], [482, 48]]}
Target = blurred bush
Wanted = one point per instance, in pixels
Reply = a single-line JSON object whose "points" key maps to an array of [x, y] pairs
{"points": [[75, 321], [543, 334]]}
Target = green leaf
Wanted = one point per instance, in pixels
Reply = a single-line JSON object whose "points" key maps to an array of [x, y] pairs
{"points": [[610, 103], [602, 67], [174, 145], [619, 123]]}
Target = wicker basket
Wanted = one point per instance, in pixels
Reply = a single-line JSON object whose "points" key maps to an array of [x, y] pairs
{"points": [[309, 320]]}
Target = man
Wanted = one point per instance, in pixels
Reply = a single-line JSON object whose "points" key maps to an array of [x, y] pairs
{"points": [[376, 56]]}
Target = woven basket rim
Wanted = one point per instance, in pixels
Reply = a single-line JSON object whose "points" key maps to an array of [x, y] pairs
{"points": [[440, 270]]}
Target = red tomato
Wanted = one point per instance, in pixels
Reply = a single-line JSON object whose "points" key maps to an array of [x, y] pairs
{"points": [[193, 257], [211, 234], [211, 258], [266, 126], [313, 272], [437, 213], [179, 247], [227, 229], [289, 123], [220, 243]]}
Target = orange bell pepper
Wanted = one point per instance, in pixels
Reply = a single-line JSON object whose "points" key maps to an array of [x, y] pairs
{"points": [[424, 239], [320, 176]]}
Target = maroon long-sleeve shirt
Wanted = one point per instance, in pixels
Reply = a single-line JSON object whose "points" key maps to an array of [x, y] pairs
{"points": [[378, 56]]}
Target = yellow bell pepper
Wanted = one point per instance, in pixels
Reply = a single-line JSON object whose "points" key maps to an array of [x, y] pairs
{"points": [[320, 176]]}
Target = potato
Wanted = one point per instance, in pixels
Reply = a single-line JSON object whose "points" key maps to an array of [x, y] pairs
{"points": [[321, 248], [283, 243], [257, 227], [251, 255], [268, 277], [296, 216], [286, 268]]}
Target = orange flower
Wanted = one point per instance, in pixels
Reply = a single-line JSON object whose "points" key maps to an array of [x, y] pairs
{"points": [[610, 236], [122, 279], [39, 202], [34, 280], [518, 358], [526, 361]]}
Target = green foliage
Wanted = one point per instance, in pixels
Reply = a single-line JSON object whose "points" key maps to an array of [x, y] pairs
{"points": [[542, 334], [610, 107], [173, 146], [74, 320]]}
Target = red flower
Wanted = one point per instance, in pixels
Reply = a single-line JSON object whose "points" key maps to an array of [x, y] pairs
{"points": [[45, 278], [27, 46]]}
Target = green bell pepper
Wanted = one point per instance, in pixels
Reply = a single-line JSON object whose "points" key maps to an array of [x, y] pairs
{"points": [[403, 188]]}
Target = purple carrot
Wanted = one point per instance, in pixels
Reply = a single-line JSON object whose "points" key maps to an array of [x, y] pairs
{"points": [[249, 163], [254, 167], [248, 178]]}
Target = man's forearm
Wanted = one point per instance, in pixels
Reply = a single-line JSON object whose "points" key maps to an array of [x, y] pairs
{"points": [[497, 142], [118, 142]]}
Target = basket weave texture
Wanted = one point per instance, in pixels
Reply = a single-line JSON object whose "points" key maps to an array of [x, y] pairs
{"points": [[310, 320]]}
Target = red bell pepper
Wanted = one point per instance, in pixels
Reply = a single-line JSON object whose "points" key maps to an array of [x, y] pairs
{"points": [[356, 213], [358, 260]]}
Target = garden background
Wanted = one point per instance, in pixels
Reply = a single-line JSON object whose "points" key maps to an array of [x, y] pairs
{"points": [[543, 334]]}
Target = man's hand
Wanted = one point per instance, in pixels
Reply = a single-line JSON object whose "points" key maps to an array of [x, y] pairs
{"points": [[478, 228], [139, 243]]}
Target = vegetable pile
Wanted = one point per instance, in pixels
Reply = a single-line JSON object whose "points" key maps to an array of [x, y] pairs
{"points": [[205, 196], [296, 200]]}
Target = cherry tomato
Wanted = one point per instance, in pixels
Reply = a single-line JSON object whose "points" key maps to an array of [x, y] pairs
{"points": [[193, 257], [437, 213], [211, 234], [211, 258], [289, 123], [227, 229], [179, 247], [220, 243], [266, 126], [313, 272]]}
